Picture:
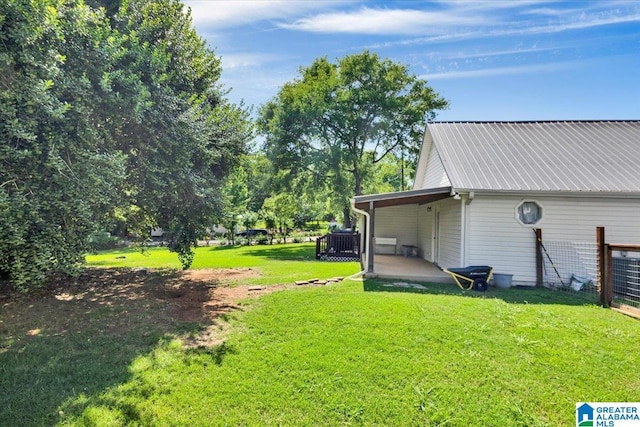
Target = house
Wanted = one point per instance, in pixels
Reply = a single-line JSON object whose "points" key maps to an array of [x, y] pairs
{"points": [[482, 187]]}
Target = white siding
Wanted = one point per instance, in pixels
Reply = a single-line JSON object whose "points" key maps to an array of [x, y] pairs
{"points": [[496, 238], [435, 176], [400, 222], [425, 231], [450, 233], [425, 149]]}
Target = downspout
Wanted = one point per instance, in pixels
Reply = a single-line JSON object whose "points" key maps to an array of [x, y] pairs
{"points": [[366, 245], [463, 232], [465, 224]]}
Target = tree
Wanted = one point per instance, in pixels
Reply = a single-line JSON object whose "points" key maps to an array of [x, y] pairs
{"points": [[390, 174], [278, 211], [55, 176], [337, 120], [183, 137], [104, 119]]}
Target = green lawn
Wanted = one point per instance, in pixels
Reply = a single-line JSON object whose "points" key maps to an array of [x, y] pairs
{"points": [[345, 354], [278, 264]]}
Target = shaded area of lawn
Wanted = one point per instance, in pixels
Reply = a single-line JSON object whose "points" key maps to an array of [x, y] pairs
{"points": [[515, 295], [294, 252], [76, 339]]}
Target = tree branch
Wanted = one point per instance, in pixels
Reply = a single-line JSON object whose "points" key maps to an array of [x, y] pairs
{"points": [[390, 149]]}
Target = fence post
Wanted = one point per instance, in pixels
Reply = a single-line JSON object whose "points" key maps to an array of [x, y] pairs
{"points": [[318, 249], [609, 275], [602, 273], [538, 257]]}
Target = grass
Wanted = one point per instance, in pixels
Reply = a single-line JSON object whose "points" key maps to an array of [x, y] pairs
{"points": [[278, 264], [346, 354], [334, 356]]}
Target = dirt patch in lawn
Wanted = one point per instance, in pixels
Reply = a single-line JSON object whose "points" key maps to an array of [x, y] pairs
{"points": [[115, 301]]}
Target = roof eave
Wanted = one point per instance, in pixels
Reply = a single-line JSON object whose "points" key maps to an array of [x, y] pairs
{"points": [[401, 198]]}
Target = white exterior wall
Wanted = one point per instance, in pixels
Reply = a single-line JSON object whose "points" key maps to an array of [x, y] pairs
{"points": [[496, 238], [435, 176], [400, 222], [450, 232], [414, 225], [425, 231], [448, 252]]}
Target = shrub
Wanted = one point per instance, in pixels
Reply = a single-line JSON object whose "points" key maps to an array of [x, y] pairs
{"points": [[262, 240], [102, 240]]}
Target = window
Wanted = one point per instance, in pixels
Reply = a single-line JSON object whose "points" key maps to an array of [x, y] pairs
{"points": [[529, 212]]}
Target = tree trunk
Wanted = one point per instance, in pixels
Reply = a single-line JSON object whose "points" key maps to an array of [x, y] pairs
{"points": [[358, 178], [346, 213], [349, 217]]}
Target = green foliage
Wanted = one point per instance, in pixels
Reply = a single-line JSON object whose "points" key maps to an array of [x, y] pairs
{"points": [[333, 124], [263, 240], [279, 211], [186, 137], [100, 240], [103, 122], [244, 191], [393, 173], [249, 219], [55, 176]]}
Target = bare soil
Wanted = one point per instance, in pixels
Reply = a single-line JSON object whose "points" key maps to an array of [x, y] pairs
{"points": [[154, 298]]}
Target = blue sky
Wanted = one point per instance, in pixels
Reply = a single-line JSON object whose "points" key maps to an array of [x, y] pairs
{"points": [[492, 59]]}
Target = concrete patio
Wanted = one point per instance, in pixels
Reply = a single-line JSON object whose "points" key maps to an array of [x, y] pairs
{"points": [[407, 268]]}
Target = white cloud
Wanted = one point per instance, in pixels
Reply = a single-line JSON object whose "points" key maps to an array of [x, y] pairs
{"points": [[232, 61], [499, 71], [231, 13], [494, 53], [453, 17], [581, 22], [384, 21], [576, 22], [477, 5]]}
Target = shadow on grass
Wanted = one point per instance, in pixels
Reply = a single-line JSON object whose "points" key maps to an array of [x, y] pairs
{"points": [[217, 353], [516, 295], [62, 347], [282, 251], [285, 252]]}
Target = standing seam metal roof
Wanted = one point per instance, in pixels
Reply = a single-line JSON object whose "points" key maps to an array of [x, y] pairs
{"points": [[571, 156]]}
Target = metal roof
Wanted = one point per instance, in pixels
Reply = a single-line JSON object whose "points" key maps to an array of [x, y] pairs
{"points": [[562, 156]]}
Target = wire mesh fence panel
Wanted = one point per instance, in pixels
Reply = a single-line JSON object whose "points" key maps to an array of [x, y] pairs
{"points": [[625, 278], [571, 267]]}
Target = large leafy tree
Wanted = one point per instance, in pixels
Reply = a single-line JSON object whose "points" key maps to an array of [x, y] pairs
{"points": [[337, 120], [104, 118], [184, 138], [55, 175]]}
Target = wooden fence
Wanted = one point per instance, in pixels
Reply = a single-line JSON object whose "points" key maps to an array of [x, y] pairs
{"points": [[619, 275], [606, 273]]}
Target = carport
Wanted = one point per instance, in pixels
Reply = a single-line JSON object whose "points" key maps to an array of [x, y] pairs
{"points": [[365, 206]]}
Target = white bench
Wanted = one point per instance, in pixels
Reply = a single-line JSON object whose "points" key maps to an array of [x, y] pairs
{"points": [[386, 245]]}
